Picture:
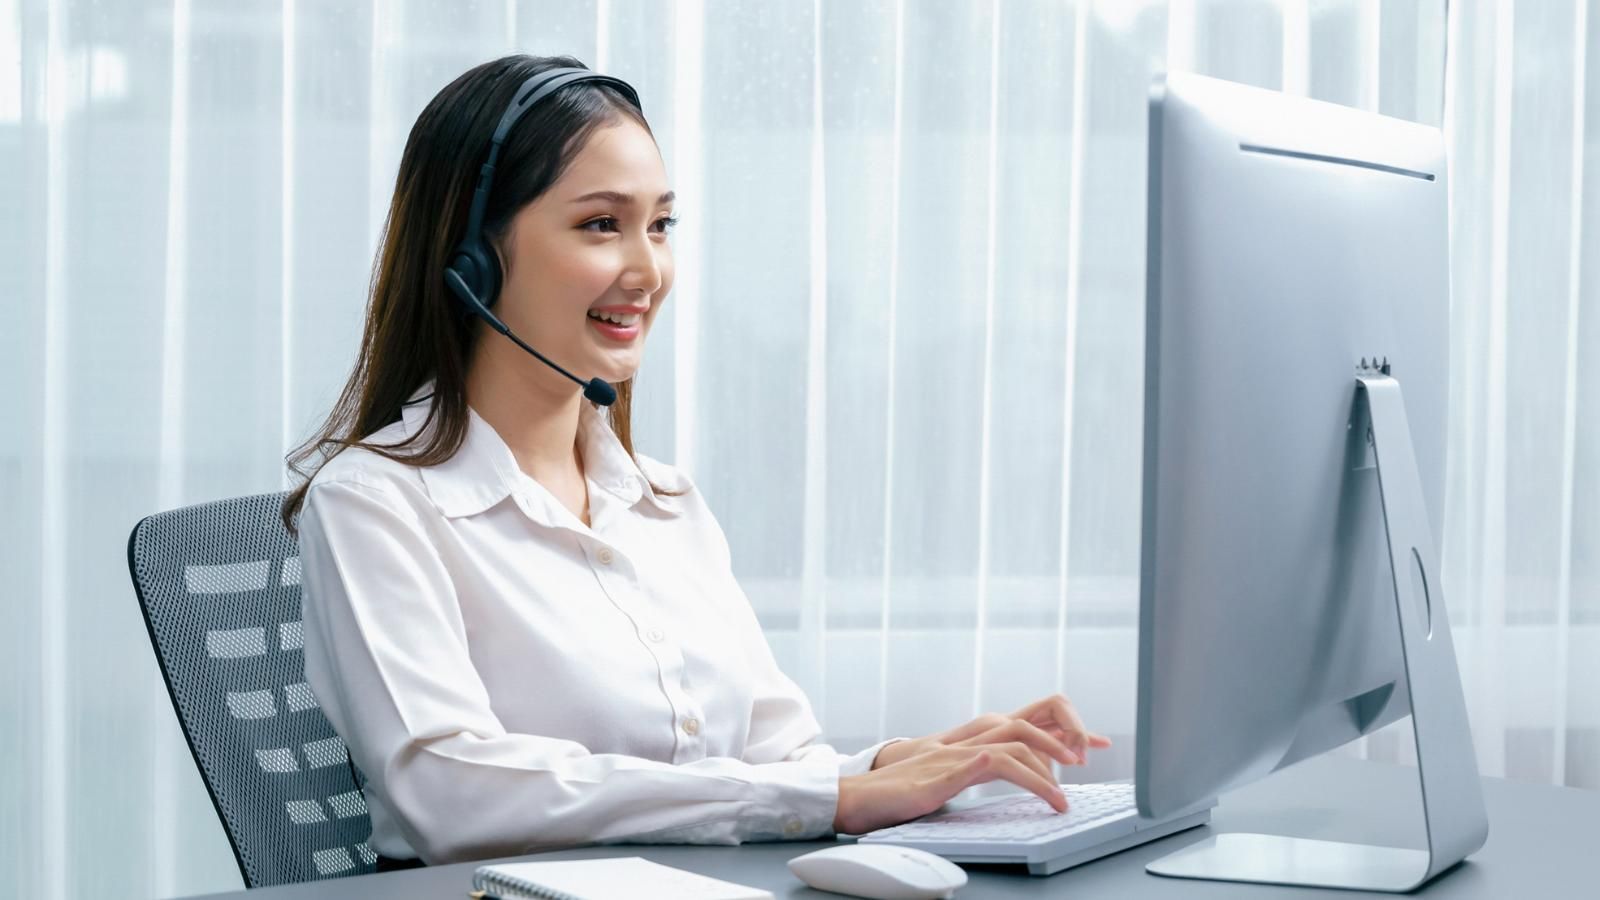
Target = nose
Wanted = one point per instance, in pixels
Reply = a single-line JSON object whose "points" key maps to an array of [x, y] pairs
{"points": [[640, 270]]}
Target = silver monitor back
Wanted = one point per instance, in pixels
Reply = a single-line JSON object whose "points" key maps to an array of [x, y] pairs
{"points": [[1288, 240]]}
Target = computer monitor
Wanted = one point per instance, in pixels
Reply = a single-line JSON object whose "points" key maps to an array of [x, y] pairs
{"points": [[1297, 283]]}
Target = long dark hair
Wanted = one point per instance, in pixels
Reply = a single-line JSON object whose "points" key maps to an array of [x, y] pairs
{"points": [[414, 330]]}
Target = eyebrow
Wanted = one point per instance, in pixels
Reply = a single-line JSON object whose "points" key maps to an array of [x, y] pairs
{"points": [[618, 197]]}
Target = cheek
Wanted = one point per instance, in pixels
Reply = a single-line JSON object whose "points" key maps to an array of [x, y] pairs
{"points": [[561, 288], [584, 276]]}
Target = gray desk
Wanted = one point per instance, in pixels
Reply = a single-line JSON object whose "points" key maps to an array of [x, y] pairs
{"points": [[1542, 843]]}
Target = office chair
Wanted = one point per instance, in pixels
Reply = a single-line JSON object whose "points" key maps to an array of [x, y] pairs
{"points": [[219, 585]]}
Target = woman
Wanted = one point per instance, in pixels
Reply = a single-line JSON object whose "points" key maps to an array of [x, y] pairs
{"points": [[528, 635]]}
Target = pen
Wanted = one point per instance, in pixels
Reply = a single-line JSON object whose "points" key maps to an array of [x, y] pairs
{"points": [[482, 895]]}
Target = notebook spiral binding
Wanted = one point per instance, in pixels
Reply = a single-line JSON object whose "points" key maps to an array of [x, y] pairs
{"points": [[486, 880]]}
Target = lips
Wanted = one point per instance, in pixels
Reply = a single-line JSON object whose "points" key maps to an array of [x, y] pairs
{"points": [[617, 317], [621, 327]]}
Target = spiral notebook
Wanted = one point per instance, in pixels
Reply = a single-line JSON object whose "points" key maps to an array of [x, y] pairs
{"points": [[622, 878]]}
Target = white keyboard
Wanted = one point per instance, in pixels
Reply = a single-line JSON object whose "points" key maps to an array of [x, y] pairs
{"points": [[1020, 828], [1020, 817]]}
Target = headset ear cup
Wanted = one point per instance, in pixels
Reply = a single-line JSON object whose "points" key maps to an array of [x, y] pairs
{"points": [[485, 270], [459, 280], [479, 269]]}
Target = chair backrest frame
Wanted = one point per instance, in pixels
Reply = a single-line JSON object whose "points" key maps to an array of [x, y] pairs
{"points": [[218, 588]]}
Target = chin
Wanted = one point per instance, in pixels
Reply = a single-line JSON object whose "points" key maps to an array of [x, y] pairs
{"points": [[614, 373], [615, 363]]}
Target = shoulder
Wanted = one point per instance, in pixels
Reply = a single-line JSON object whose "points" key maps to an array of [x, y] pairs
{"points": [[674, 490], [363, 471], [679, 495]]}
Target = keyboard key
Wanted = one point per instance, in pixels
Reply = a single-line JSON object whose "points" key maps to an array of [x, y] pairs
{"points": [[1020, 817]]}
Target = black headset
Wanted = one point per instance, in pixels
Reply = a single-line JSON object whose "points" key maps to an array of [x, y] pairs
{"points": [[473, 274]]}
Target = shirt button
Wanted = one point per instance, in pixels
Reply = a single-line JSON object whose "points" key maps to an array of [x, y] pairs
{"points": [[793, 827], [655, 635], [605, 556], [691, 726]]}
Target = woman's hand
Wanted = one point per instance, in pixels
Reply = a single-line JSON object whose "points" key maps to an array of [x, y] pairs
{"points": [[919, 784], [1050, 728]]}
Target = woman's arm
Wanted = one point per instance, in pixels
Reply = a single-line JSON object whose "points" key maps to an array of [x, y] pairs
{"points": [[387, 657]]}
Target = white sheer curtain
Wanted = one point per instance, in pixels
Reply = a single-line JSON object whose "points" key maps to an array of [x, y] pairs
{"points": [[911, 287]]}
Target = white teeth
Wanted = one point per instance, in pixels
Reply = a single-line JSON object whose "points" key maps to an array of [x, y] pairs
{"points": [[625, 321]]}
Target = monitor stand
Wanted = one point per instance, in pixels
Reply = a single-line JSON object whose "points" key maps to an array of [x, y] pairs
{"points": [[1452, 796]]}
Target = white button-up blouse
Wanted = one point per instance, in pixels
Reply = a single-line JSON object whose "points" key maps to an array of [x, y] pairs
{"points": [[512, 680]]}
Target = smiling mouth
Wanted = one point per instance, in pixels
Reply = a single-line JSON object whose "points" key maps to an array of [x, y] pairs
{"points": [[621, 320], [626, 331]]}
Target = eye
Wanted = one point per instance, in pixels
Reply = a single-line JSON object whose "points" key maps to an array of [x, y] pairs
{"points": [[610, 221]]}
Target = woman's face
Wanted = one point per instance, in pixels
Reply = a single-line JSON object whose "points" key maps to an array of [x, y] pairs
{"points": [[591, 248]]}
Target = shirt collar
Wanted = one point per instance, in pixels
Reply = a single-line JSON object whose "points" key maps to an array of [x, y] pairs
{"points": [[484, 471]]}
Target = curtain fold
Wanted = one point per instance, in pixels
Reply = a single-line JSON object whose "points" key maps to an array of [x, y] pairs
{"points": [[903, 356]]}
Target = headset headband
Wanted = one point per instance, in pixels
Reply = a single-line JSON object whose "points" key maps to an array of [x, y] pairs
{"points": [[527, 97]]}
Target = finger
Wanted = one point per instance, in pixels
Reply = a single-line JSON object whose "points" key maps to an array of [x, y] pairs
{"points": [[1039, 739], [1048, 746], [1032, 710], [965, 774], [1024, 754], [1046, 789], [986, 722], [1062, 712], [1055, 710], [1067, 737], [1015, 751], [1095, 741]]}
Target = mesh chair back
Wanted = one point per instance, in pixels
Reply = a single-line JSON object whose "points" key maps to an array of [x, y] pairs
{"points": [[219, 585]]}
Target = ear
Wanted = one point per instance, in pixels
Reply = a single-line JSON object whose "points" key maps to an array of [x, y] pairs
{"points": [[500, 247]]}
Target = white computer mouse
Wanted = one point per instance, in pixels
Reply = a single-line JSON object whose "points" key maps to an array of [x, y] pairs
{"points": [[880, 872]]}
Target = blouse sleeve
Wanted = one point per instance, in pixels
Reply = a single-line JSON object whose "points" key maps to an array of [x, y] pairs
{"points": [[387, 658]]}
